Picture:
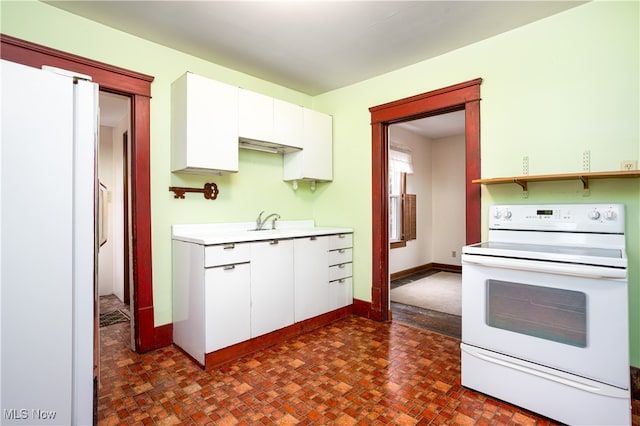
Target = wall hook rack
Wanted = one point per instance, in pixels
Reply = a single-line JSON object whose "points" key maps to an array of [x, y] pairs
{"points": [[210, 191]]}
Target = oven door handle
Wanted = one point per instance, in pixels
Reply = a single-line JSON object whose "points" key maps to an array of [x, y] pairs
{"points": [[571, 269]]}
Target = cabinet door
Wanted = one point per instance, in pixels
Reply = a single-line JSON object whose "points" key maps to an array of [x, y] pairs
{"points": [[287, 123], [271, 286], [311, 274], [204, 125], [255, 116], [315, 161], [227, 306]]}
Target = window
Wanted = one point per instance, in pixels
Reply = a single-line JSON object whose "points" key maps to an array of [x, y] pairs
{"points": [[402, 206]]}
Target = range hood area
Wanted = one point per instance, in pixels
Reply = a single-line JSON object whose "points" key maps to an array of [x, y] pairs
{"points": [[265, 146]]}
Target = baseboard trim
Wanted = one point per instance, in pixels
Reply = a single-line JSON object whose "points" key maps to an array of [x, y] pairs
{"points": [[425, 268], [163, 335], [362, 308], [447, 268]]}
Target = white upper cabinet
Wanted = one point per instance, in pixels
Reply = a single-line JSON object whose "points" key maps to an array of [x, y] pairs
{"points": [[255, 116], [287, 123], [315, 161], [210, 120], [268, 124], [204, 126]]}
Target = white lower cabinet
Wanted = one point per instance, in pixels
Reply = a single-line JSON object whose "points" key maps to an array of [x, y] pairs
{"points": [[271, 286], [228, 305], [322, 271], [311, 255], [340, 271], [226, 294]]}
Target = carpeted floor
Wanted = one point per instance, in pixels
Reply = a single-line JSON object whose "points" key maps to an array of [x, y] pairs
{"points": [[438, 292]]}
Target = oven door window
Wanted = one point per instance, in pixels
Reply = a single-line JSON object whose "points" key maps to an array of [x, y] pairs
{"points": [[548, 313]]}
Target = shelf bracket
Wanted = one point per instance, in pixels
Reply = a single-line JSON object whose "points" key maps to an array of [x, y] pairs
{"points": [[210, 191], [585, 186], [524, 185]]}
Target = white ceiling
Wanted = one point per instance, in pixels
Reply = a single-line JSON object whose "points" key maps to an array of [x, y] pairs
{"points": [[315, 46]]}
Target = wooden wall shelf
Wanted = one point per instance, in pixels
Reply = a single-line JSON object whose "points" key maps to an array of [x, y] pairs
{"points": [[583, 177]]}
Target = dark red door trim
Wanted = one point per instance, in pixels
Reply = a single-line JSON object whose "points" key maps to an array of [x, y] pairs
{"points": [[453, 98], [138, 87]]}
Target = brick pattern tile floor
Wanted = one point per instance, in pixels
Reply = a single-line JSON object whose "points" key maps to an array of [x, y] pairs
{"points": [[352, 372]]}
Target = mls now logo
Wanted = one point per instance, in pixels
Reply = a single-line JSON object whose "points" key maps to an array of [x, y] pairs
{"points": [[24, 414]]}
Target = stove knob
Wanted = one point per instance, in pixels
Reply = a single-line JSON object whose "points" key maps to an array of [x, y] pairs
{"points": [[507, 214], [610, 215], [497, 214], [594, 215]]}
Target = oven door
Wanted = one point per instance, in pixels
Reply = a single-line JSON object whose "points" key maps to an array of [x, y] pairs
{"points": [[568, 317]]}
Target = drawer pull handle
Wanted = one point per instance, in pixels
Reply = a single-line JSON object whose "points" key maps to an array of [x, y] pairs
{"points": [[341, 280], [342, 265], [313, 238], [273, 242], [229, 267], [229, 247], [341, 251], [341, 236]]}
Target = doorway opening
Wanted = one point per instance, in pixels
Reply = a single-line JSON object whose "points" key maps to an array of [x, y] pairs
{"points": [[427, 221], [114, 272], [461, 97]]}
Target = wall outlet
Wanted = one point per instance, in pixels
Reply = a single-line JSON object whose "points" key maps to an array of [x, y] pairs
{"points": [[453, 253], [629, 165]]}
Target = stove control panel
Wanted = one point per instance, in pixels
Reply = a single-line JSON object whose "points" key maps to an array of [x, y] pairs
{"points": [[603, 218]]}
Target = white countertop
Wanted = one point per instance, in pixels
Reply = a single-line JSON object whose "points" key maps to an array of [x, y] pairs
{"points": [[223, 233]]}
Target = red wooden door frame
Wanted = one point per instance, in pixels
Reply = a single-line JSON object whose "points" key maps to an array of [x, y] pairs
{"points": [[137, 87], [464, 96]]}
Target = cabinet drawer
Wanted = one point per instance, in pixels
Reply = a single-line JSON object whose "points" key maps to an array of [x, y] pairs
{"points": [[340, 241], [226, 254], [340, 293], [339, 271], [340, 256]]}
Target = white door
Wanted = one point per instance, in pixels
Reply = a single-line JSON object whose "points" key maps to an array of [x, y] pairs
{"points": [[47, 337]]}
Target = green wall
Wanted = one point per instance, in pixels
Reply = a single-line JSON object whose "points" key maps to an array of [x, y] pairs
{"points": [[550, 91]]}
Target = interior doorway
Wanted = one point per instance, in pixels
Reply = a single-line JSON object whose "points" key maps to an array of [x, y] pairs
{"points": [[114, 272], [428, 157], [463, 96]]}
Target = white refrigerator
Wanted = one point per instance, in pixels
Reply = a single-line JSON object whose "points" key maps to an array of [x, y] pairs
{"points": [[48, 185]]}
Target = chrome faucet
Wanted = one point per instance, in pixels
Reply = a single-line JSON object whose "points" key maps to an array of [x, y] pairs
{"points": [[260, 222]]}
